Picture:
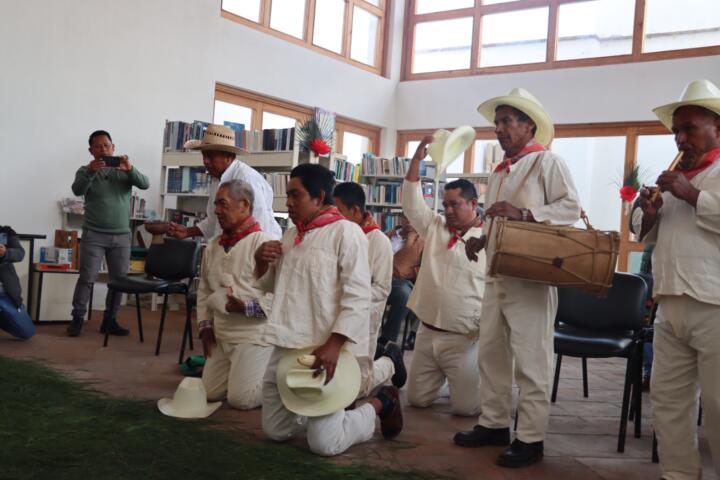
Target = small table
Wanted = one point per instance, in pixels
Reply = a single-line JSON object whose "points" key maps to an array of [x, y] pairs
{"points": [[30, 256]]}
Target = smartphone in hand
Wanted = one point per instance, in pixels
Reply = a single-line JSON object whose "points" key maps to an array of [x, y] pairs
{"points": [[3, 238], [113, 162]]}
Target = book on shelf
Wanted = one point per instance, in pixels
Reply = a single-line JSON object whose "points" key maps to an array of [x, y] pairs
{"points": [[346, 171], [387, 220], [181, 217], [137, 206], [394, 167], [178, 132], [194, 180], [239, 129], [390, 194], [278, 182], [269, 140]]}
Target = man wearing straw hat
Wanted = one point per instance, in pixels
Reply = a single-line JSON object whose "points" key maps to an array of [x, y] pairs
{"points": [[231, 311], [683, 221], [219, 157], [447, 296], [530, 185], [319, 274]]}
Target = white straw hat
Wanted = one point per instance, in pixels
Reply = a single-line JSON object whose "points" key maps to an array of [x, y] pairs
{"points": [[525, 102], [447, 146], [305, 395], [189, 401], [218, 138], [702, 93]]}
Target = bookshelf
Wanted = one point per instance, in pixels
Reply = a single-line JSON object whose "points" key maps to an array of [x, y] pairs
{"points": [[480, 180]]}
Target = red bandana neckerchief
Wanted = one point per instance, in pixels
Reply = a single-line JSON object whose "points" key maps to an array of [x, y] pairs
{"points": [[250, 225], [457, 234], [706, 160], [532, 146], [325, 217], [368, 224]]}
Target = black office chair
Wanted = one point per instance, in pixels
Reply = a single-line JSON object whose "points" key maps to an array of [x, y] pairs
{"points": [[171, 267], [591, 327]]}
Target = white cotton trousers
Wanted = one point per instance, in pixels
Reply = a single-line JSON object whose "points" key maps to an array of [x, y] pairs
{"points": [[441, 356], [374, 374], [686, 356], [328, 435], [517, 325], [236, 371]]}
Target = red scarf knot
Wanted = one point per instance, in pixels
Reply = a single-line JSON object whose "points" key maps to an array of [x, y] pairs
{"points": [[250, 225], [532, 146], [707, 159], [368, 223], [457, 234], [325, 217]]}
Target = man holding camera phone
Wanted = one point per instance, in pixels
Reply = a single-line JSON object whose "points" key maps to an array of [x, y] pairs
{"points": [[106, 184]]}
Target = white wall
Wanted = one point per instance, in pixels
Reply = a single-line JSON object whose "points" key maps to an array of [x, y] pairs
{"points": [[74, 66], [625, 92]]}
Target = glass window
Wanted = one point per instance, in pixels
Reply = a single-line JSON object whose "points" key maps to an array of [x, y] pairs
{"points": [[412, 146], [329, 23], [654, 155], [596, 165], [493, 2], [373, 2], [429, 6], [488, 154], [273, 120], [249, 9], [364, 36], [514, 38], [230, 112], [673, 25], [598, 28], [288, 16], [442, 45], [354, 146]]}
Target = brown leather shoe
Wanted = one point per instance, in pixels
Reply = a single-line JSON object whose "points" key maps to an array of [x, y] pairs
{"points": [[391, 418]]}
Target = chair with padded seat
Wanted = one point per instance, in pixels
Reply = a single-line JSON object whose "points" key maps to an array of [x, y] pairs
{"points": [[171, 267], [590, 327]]}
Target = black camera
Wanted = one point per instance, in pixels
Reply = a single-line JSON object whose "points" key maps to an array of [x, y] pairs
{"points": [[113, 162]]}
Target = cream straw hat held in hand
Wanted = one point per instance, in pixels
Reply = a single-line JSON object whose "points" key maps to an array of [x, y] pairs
{"points": [[305, 395], [448, 146], [701, 93], [525, 102], [189, 401]]}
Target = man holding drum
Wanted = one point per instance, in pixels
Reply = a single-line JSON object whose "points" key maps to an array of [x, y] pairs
{"points": [[684, 224], [530, 185]]}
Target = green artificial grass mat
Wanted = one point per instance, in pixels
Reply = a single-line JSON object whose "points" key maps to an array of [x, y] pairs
{"points": [[51, 427]]}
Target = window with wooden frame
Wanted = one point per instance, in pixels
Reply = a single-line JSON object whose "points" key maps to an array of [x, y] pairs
{"points": [[354, 31], [599, 157], [257, 112], [470, 37]]}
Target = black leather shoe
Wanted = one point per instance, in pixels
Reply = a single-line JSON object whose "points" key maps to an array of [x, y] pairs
{"points": [[480, 436], [115, 328], [391, 418], [521, 454], [393, 352], [75, 327]]}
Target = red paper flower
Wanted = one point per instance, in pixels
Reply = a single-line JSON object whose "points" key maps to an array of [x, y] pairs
{"points": [[320, 147], [628, 193]]}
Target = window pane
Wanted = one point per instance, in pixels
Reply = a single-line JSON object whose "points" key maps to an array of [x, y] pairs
{"points": [[673, 25], [428, 6], [354, 146], [373, 2], [232, 113], [654, 155], [412, 146], [514, 38], [596, 165], [329, 21], [488, 154], [288, 16], [597, 28], [493, 2], [442, 45], [249, 9], [364, 36], [272, 120]]}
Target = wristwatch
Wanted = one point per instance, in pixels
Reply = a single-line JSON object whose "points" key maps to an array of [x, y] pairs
{"points": [[524, 212]]}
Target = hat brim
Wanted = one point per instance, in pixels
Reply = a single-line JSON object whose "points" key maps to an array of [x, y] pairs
{"points": [[167, 407], [346, 389], [545, 128], [665, 112], [456, 144], [198, 145]]}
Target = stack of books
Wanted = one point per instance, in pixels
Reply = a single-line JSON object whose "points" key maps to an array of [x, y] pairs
{"points": [[193, 180], [137, 206], [269, 140], [177, 133], [278, 182], [346, 171], [393, 167], [387, 220], [384, 194]]}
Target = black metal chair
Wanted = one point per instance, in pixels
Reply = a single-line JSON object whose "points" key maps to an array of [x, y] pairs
{"points": [[591, 327], [171, 268]]}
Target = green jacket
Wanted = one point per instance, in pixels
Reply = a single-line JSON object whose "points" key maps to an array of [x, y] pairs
{"points": [[107, 197]]}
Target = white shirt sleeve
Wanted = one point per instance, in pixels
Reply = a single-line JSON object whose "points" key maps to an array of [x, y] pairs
{"points": [[415, 208], [562, 205]]}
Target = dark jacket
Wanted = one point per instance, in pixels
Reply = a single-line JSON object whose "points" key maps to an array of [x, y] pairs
{"points": [[8, 276]]}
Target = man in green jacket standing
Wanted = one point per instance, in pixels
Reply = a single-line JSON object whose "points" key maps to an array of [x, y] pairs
{"points": [[106, 226]]}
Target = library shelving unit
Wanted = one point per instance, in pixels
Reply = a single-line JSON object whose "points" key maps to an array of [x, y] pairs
{"points": [[480, 180]]}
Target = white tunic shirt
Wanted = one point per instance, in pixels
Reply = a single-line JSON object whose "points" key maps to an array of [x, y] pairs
{"points": [[540, 182], [262, 206], [381, 268], [234, 268], [449, 287], [686, 258], [321, 286]]}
